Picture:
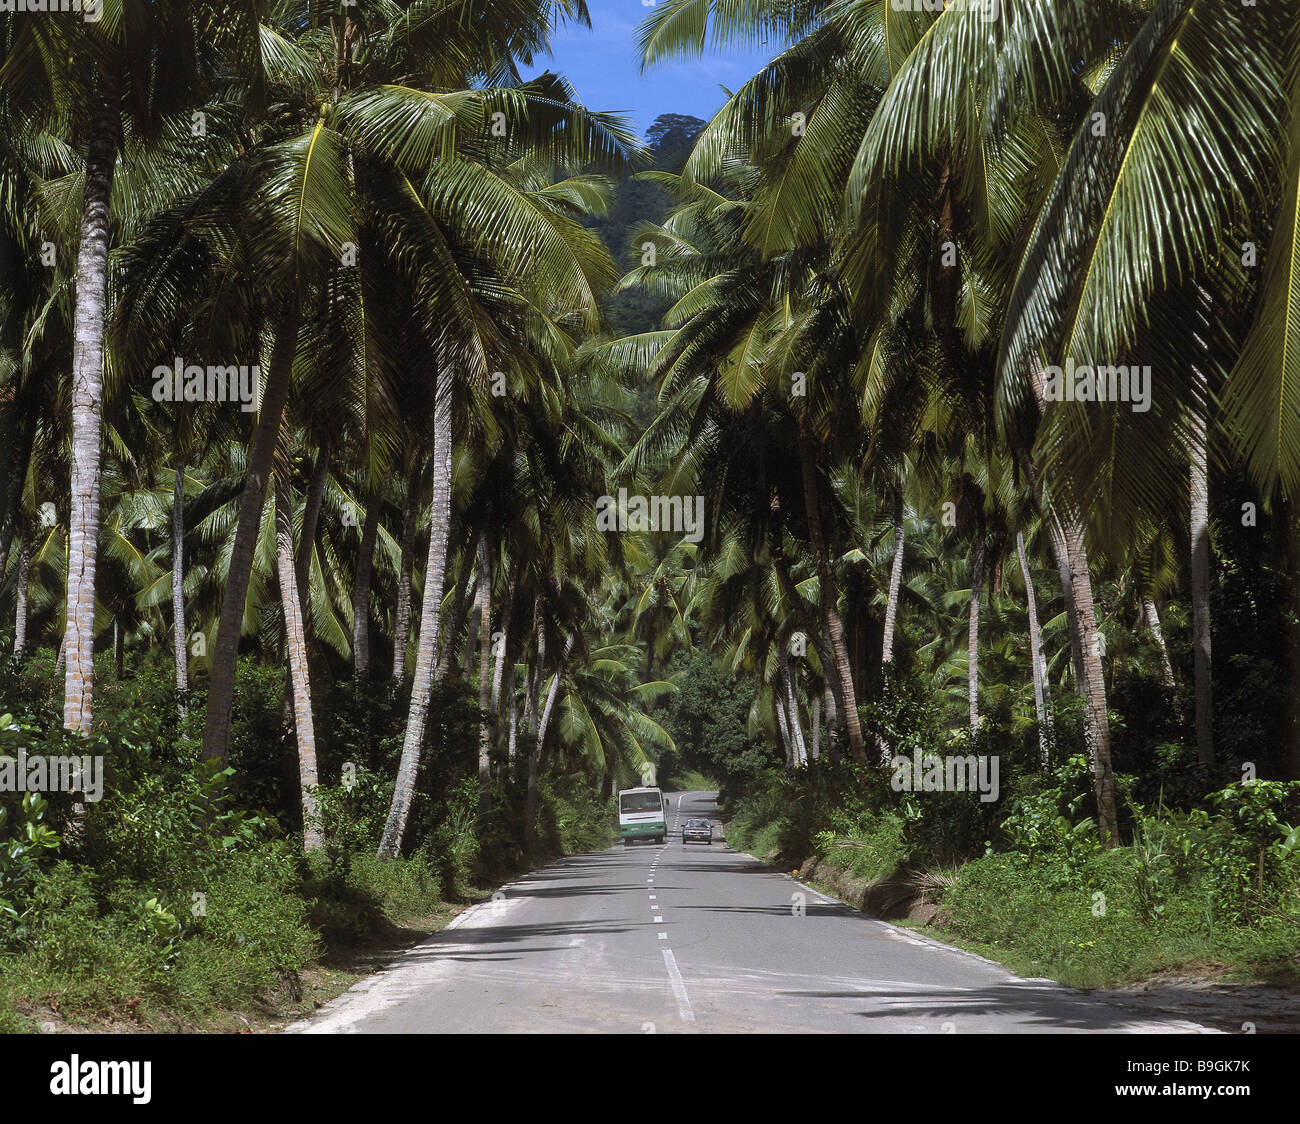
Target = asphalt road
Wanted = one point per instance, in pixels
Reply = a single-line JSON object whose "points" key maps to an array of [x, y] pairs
{"points": [[672, 939]]}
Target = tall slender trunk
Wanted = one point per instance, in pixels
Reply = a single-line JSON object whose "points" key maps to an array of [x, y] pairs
{"points": [[20, 611], [466, 588], [783, 724], [535, 754], [63, 653], [842, 675], [435, 568], [311, 510], [180, 649], [485, 674], [16, 445], [815, 748], [1037, 661], [1066, 535], [90, 310], [296, 658], [512, 708], [502, 660], [1151, 616], [797, 743], [118, 642], [221, 682], [973, 635], [1200, 532], [361, 590], [531, 702], [895, 584], [1096, 719], [832, 739], [402, 617]]}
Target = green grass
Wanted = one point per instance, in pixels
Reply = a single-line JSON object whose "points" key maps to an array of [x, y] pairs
{"points": [[692, 781]]}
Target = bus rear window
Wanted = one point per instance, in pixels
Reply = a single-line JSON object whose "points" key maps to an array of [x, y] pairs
{"points": [[639, 802]]}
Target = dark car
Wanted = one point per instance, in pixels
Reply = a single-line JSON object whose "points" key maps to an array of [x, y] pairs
{"points": [[697, 831]]}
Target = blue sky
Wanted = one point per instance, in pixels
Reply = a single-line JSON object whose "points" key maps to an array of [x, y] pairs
{"points": [[604, 67]]}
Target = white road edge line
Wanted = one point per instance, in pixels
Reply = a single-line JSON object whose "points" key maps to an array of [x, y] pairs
{"points": [[679, 987]]}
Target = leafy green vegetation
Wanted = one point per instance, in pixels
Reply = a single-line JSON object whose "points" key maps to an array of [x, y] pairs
{"points": [[398, 457]]}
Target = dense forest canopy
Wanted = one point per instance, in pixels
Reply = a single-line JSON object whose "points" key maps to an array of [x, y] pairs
{"points": [[358, 398]]}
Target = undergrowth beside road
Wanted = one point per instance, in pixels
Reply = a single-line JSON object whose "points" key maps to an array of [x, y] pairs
{"points": [[1214, 887], [183, 899]]}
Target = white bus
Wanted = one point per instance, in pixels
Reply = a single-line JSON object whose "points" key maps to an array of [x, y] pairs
{"points": [[642, 814]]}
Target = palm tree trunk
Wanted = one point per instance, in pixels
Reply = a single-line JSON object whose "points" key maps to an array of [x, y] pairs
{"points": [[842, 676], [402, 617], [831, 719], [89, 313], [503, 654], [798, 750], [1200, 532], [20, 612], [1066, 536], [485, 674], [296, 658], [512, 740], [1151, 615], [361, 590], [180, 648], [421, 686], [895, 584], [973, 637], [17, 446], [534, 757], [531, 702], [1037, 661], [783, 726], [118, 660], [221, 682], [1096, 719], [815, 749], [466, 588], [310, 520]]}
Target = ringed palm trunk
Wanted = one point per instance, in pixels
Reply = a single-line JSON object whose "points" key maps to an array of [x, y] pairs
{"points": [[361, 590], [783, 726], [485, 675], [1151, 615], [1066, 536], [402, 616], [221, 684], [842, 675], [798, 750], [973, 637], [895, 584], [1096, 720], [20, 611], [180, 648], [831, 720], [815, 748], [503, 660], [435, 568], [296, 659], [535, 755], [17, 447], [466, 590], [310, 520], [1200, 532], [532, 708], [1037, 660], [89, 313], [512, 708]]}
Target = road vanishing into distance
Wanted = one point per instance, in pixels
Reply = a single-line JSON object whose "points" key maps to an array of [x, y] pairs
{"points": [[697, 939]]}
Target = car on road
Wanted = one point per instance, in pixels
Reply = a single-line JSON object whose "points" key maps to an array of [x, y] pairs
{"points": [[697, 831]]}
